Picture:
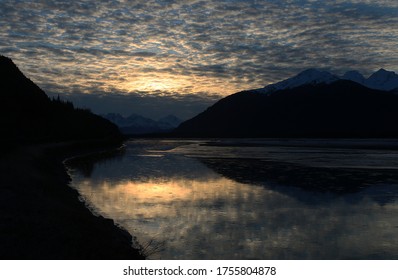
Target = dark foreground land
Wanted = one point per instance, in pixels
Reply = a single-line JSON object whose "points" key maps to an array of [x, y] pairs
{"points": [[41, 217]]}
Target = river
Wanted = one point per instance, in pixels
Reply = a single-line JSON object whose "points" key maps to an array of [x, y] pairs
{"points": [[249, 198]]}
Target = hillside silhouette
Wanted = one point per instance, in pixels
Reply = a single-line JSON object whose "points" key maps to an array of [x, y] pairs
{"points": [[340, 109], [28, 115], [41, 216]]}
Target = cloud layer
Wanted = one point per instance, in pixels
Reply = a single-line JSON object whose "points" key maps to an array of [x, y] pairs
{"points": [[193, 47]]}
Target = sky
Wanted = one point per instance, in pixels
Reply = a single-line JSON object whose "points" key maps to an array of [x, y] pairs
{"points": [[178, 57]]}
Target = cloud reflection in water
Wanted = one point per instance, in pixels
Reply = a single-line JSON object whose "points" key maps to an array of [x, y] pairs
{"points": [[201, 214]]}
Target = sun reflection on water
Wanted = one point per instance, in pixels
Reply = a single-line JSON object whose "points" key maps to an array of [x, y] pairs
{"points": [[200, 214]]}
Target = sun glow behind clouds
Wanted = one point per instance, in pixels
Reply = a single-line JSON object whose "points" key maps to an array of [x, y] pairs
{"points": [[157, 74], [213, 47], [155, 84]]}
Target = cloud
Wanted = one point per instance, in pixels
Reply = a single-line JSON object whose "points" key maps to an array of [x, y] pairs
{"points": [[143, 54], [217, 47]]}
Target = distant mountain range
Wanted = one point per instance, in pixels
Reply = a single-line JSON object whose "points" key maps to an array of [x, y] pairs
{"points": [[137, 124], [381, 80], [311, 104], [27, 115]]}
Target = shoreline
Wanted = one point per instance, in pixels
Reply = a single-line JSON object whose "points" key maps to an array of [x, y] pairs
{"points": [[41, 216]]}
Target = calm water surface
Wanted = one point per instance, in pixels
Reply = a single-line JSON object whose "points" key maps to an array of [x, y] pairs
{"points": [[249, 199]]}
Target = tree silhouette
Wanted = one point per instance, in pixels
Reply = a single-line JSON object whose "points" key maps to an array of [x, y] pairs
{"points": [[27, 115]]}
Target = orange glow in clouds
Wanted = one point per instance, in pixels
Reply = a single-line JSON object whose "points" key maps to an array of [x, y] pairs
{"points": [[151, 75]]}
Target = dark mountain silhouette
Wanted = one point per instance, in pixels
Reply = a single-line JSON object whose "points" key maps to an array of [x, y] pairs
{"points": [[27, 115], [340, 108]]}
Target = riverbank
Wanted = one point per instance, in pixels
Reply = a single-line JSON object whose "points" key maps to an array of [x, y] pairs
{"points": [[41, 217]]}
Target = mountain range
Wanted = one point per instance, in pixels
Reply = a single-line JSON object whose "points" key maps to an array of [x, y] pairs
{"points": [[313, 103], [380, 80], [137, 124]]}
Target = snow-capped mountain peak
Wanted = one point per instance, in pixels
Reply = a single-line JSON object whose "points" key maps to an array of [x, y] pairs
{"points": [[309, 76], [382, 79]]}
